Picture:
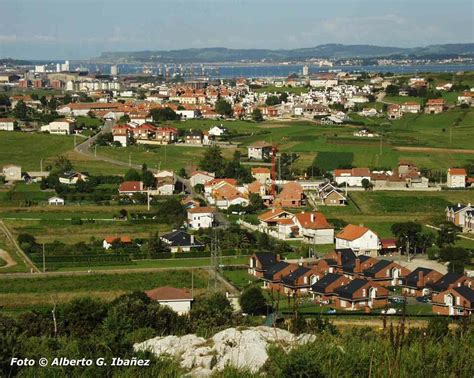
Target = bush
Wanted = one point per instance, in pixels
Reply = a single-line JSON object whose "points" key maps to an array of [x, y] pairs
{"points": [[253, 301]]}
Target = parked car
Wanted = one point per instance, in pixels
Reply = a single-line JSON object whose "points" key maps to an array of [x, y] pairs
{"points": [[397, 300], [423, 299], [390, 311], [331, 311]]}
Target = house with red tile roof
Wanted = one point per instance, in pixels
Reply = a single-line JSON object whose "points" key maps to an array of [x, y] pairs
{"points": [[291, 195], [456, 178], [314, 227], [360, 239], [411, 107], [261, 174], [435, 106], [201, 217], [259, 151], [179, 300], [109, 241], [131, 187]]}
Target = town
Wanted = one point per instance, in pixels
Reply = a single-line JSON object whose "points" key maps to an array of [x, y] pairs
{"points": [[169, 208]]}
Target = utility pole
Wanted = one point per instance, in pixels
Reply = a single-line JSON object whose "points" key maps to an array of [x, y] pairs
{"points": [[44, 260], [148, 199], [130, 159], [95, 150]]}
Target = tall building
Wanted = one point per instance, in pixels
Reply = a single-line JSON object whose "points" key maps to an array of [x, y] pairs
{"points": [[305, 70], [40, 69], [114, 70]]}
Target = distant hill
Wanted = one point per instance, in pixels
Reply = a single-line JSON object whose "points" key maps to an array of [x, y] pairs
{"points": [[332, 51]]}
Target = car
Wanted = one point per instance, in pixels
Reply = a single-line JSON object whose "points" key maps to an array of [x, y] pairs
{"points": [[389, 311], [331, 311], [397, 300], [423, 299]]}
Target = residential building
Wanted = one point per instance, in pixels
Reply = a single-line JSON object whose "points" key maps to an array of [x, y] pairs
{"points": [[456, 178], [179, 300], [71, 177], [360, 239], [181, 241], [394, 111], [298, 281], [291, 195], [449, 280], [122, 134], [261, 174], [361, 294], [7, 124], [415, 284], [314, 227], [466, 98], [331, 195], [194, 137], [259, 151], [274, 274], [166, 135], [109, 241], [56, 201], [60, 127], [454, 301], [457, 214], [131, 187], [260, 262], [411, 107], [201, 177], [201, 217], [386, 273], [351, 177], [435, 106], [324, 288]]}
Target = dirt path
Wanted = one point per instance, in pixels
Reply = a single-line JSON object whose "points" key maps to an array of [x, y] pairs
{"points": [[435, 150], [4, 255]]}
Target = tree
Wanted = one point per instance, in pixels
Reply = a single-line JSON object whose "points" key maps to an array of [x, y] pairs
{"points": [[224, 108], [256, 202], [425, 240], [164, 114], [62, 164], [407, 234], [148, 179], [457, 257], [257, 115], [272, 100], [212, 161], [213, 310], [253, 301], [366, 184], [132, 175], [21, 111], [447, 234]]}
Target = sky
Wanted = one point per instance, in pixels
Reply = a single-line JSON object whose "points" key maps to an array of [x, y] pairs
{"points": [[82, 29]]}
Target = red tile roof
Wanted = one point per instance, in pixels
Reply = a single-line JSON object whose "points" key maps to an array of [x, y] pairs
{"points": [[167, 293], [352, 232], [257, 170], [131, 186], [457, 171], [313, 221], [204, 209]]}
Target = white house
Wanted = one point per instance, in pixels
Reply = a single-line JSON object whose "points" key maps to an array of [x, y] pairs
{"points": [[259, 151], [314, 227], [179, 300], [56, 201], [217, 131], [358, 238], [188, 114], [201, 177], [7, 124], [201, 217], [353, 177], [456, 178], [61, 127]]}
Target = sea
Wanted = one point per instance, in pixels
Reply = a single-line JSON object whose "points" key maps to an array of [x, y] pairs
{"points": [[265, 70]]}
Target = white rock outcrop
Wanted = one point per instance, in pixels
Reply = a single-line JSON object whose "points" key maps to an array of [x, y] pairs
{"points": [[242, 348]]}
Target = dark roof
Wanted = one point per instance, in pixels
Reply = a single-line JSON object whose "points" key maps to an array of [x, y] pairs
{"points": [[466, 292], [457, 207], [348, 290], [412, 279], [279, 266], [328, 279], [377, 267], [180, 238], [443, 283], [267, 259], [291, 278]]}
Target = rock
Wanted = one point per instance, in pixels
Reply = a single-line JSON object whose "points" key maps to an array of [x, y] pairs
{"points": [[242, 348]]}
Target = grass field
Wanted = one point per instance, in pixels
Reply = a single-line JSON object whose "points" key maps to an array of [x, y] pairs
{"points": [[239, 278], [26, 149], [25, 293]]}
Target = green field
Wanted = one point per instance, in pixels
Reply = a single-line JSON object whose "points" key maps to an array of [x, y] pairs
{"points": [[239, 277], [27, 149], [24, 293]]}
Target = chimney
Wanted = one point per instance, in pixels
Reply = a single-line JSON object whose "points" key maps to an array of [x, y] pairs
{"points": [[357, 268], [421, 279], [312, 217], [339, 258]]}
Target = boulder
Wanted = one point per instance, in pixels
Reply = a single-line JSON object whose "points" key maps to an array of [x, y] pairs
{"points": [[241, 348]]}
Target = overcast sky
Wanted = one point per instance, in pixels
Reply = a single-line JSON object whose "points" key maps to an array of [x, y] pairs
{"points": [[72, 29]]}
